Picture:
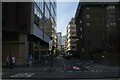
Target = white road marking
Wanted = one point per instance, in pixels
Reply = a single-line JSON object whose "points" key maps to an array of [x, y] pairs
{"points": [[26, 75], [69, 71]]}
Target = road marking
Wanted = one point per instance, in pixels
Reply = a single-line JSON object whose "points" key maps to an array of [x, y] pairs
{"points": [[69, 71], [20, 75], [85, 71], [3, 73]]}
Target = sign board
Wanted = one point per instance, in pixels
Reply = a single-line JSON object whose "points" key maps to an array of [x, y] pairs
{"points": [[50, 44]]}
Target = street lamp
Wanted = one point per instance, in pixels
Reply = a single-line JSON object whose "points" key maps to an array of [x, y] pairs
{"points": [[51, 49]]}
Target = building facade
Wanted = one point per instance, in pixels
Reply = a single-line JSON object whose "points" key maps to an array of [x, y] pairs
{"points": [[98, 31], [25, 29], [71, 38]]}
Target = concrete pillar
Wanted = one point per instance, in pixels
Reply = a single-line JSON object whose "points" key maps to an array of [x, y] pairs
{"points": [[39, 50], [22, 49]]}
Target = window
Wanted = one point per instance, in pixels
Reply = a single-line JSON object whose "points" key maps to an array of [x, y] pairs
{"points": [[35, 10], [113, 7], [88, 24], [110, 7], [81, 28], [80, 21], [87, 16], [81, 36], [89, 32], [47, 12], [89, 42], [73, 46], [73, 32], [72, 42], [87, 8], [107, 25], [41, 6], [36, 55], [112, 16], [72, 37]]}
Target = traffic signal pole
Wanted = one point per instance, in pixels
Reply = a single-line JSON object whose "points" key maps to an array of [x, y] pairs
{"points": [[51, 58]]}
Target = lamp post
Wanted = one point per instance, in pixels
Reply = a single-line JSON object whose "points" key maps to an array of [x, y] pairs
{"points": [[51, 49]]}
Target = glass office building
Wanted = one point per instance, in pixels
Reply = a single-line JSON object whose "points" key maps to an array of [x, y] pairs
{"points": [[28, 29]]}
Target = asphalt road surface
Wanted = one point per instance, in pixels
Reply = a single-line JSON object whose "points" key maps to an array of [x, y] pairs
{"points": [[69, 69]]}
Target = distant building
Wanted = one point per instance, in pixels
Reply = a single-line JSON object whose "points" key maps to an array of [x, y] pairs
{"points": [[59, 40], [71, 38], [27, 28], [98, 25], [63, 44]]}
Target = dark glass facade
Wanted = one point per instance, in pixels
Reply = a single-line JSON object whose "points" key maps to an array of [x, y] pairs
{"points": [[30, 23], [46, 13]]}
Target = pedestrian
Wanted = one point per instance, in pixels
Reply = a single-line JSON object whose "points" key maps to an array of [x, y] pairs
{"points": [[7, 62], [9, 58], [13, 61], [30, 60]]}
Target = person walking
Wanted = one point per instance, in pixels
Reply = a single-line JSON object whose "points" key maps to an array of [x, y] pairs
{"points": [[10, 61], [30, 60], [13, 61], [7, 62]]}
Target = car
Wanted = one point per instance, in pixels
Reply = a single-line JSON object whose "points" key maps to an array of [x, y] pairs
{"points": [[76, 68]]}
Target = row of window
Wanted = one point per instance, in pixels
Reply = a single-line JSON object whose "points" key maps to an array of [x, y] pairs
{"points": [[72, 28], [72, 42], [42, 13], [109, 24], [50, 11], [72, 22], [71, 47], [108, 7], [110, 15], [111, 18], [72, 37], [72, 32]]}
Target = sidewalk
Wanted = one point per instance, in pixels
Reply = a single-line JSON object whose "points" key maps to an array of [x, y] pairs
{"points": [[40, 66]]}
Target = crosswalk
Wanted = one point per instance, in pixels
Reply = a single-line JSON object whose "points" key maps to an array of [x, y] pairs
{"points": [[92, 69], [17, 75]]}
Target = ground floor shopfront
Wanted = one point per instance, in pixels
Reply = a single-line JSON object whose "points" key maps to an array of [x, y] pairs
{"points": [[21, 46]]}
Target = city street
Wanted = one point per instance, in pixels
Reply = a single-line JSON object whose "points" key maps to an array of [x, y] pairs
{"points": [[44, 39], [62, 68]]}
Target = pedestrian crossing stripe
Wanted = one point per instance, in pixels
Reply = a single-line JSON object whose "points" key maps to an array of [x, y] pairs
{"points": [[18, 75], [69, 71]]}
